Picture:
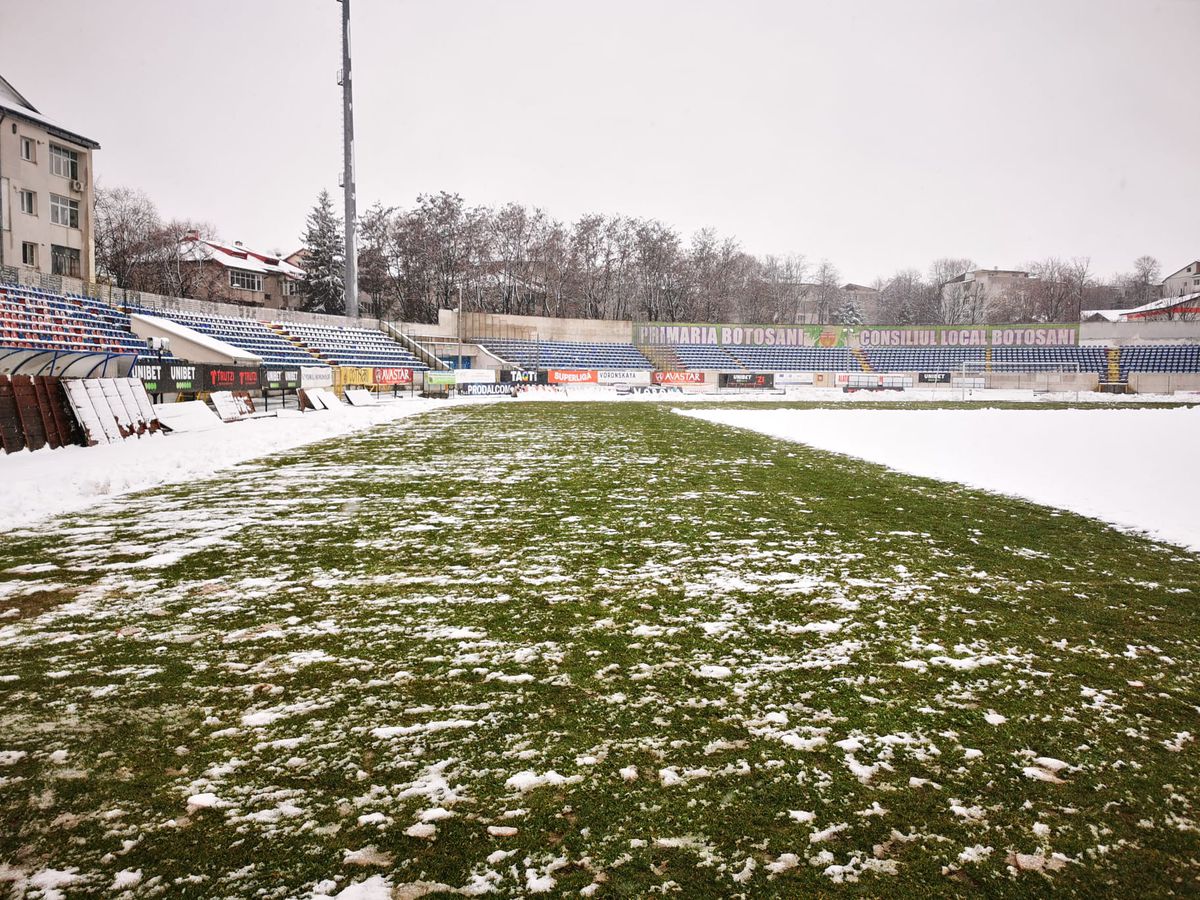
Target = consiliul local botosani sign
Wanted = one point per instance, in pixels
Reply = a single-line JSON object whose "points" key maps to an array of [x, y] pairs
{"points": [[866, 336]]}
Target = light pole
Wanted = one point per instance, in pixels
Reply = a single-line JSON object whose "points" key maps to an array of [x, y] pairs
{"points": [[351, 213]]}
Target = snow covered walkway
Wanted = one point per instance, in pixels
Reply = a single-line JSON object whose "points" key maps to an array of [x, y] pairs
{"points": [[1130, 467]]}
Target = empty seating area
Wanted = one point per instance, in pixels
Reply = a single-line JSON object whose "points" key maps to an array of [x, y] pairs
{"points": [[1089, 359], [704, 356], [351, 346], [245, 334], [796, 359], [565, 354], [33, 319], [1166, 358]]}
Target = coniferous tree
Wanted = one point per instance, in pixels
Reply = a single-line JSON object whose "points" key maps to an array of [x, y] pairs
{"points": [[323, 288], [848, 314]]}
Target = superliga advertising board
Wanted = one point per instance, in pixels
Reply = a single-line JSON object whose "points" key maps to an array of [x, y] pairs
{"points": [[852, 336]]}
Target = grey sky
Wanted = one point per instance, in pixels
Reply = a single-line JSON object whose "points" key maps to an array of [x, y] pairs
{"points": [[877, 134]]}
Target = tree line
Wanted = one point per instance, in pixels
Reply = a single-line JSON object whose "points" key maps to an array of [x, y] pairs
{"points": [[443, 252]]}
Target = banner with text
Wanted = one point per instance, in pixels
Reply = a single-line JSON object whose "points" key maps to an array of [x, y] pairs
{"points": [[853, 336], [573, 376], [393, 375]]}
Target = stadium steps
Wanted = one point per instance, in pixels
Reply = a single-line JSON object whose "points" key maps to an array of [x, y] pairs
{"points": [[736, 360], [413, 346], [299, 346], [862, 359], [1114, 365], [663, 358], [987, 359]]}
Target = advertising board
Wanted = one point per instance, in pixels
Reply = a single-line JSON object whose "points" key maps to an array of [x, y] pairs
{"points": [[678, 378], [755, 380], [393, 375], [572, 376]]}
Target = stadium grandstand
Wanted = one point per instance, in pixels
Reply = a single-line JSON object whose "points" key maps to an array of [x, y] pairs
{"points": [[565, 354], [349, 346], [38, 325], [33, 319], [244, 333]]}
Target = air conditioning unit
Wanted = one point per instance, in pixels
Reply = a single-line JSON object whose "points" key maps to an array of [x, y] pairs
{"points": [[77, 186]]}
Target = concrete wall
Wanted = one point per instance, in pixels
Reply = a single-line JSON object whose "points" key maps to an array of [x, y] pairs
{"points": [[1115, 334], [1155, 383]]}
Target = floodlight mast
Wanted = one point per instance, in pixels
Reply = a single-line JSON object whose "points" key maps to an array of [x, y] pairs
{"points": [[351, 211]]}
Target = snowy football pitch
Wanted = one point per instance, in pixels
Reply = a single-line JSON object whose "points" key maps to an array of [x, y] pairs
{"points": [[572, 648]]}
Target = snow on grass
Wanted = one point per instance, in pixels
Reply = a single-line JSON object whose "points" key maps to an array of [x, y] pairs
{"points": [[1094, 462], [51, 482], [318, 692]]}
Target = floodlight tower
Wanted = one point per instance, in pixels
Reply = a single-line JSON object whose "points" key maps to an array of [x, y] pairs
{"points": [[351, 212]]}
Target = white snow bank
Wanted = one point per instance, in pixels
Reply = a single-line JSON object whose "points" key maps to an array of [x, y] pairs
{"points": [[1120, 465], [52, 482]]}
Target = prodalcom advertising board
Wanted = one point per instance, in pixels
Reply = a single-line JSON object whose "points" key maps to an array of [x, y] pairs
{"points": [[573, 376], [485, 389]]}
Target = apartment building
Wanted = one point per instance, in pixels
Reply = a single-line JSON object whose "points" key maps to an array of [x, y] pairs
{"points": [[233, 273], [1185, 281], [46, 192]]}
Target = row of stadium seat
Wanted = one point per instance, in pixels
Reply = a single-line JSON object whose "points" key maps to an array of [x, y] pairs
{"points": [[33, 319], [566, 354], [1170, 358], [245, 334], [351, 346]]}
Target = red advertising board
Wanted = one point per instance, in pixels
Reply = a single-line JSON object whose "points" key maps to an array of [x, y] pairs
{"points": [[573, 376], [678, 378], [393, 376]]}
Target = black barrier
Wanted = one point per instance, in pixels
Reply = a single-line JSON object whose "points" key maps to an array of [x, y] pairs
{"points": [[232, 378], [520, 377], [275, 378], [487, 389], [746, 380], [933, 377], [170, 377]]}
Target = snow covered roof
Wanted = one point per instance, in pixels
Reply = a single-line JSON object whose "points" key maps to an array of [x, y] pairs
{"points": [[170, 327], [235, 256], [13, 103], [1146, 310]]}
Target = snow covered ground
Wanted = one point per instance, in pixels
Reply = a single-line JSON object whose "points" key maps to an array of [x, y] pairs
{"points": [[1130, 467], [52, 482]]}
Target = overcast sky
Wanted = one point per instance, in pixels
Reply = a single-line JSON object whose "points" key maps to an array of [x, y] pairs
{"points": [[879, 135]]}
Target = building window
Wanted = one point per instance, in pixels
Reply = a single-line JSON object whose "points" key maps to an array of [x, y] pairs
{"points": [[64, 261], [64, 162], [28, 150], [247, 281], [29, 254], [29, 203], [291, 287], [64, 211]]}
